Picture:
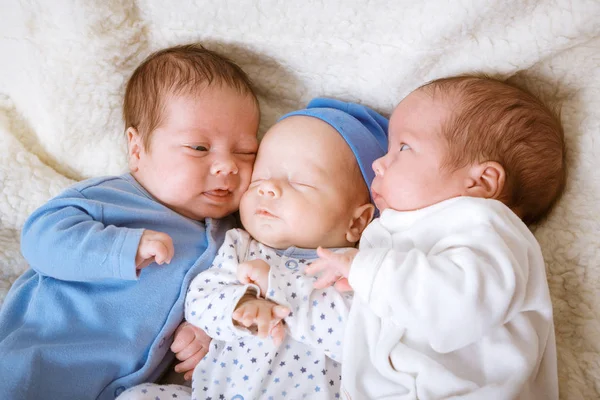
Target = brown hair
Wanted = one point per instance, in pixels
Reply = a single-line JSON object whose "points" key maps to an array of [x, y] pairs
{"points": [[178, 70], [497, 121]]}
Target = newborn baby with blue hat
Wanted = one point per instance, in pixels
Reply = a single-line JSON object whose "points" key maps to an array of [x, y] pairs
{"points": [[273, 334]]}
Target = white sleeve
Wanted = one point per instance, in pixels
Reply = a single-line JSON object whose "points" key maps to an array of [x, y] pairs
{"points": [[466, 284], [213, 294], [318, 316]]}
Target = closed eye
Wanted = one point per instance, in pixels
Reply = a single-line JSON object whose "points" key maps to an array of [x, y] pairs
{"points": [[250, 155], [302, 184], [249, 152]]}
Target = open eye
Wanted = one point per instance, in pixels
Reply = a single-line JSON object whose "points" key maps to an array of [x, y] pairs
{"points": [[198, 147], [404, 147]]}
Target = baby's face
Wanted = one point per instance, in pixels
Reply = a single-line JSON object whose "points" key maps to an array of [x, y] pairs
{"points": [[411, 175], [302, 191], [200, 158]]}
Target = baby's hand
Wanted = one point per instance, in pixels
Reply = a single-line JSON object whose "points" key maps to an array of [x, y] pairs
{"points": [[256, 272], [154, 247], [190, 345], [335, 267], [263, 315]]}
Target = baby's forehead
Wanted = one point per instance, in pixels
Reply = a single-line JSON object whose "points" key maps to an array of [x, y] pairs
{"points": [[308, 133], [420, 112], [310, 142]]}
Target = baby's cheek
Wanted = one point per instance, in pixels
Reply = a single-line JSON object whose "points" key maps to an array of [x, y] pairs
{"points": [[306, 223], [245, 171]]}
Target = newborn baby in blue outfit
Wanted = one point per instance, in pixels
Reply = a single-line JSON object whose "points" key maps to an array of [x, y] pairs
{"points": [[111, 257]]}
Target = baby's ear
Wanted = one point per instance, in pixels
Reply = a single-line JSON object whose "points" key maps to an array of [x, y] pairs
{"points": [[485, 180], [361, 217], [134, 148]]}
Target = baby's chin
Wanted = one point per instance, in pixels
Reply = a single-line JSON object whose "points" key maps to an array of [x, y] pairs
{"points": [[272, 239], [269, 235], [282, 241], [275, 234], [201, 213]]}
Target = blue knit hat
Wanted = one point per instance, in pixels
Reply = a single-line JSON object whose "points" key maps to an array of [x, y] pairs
{"points": [[363, 129]]}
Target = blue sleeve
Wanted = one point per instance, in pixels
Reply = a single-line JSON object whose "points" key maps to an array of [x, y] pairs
{"points": [[65, 239]]}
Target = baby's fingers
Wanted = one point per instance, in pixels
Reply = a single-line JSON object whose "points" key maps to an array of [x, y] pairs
{"points": [[188, 375], [326, 280], [190, 363], [342, 285], [184, 335], [164, 250], [189, 350], [245, 315], [316, 266], [325, 253], [181, 343], [277, 333], [280, 312], [263, 324], [238, 315]]}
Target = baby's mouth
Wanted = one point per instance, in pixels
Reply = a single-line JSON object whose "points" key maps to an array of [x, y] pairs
{"points": [[263, 212], [218, 194]]}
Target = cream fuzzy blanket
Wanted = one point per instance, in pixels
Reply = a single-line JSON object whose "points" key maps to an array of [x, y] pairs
{"points": [[64, 64]]}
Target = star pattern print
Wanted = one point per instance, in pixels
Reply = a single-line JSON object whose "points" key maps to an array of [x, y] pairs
{"points": [[152, 391], [317, 315], [242, 366]]}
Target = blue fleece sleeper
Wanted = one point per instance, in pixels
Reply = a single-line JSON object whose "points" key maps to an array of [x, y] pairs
{"points": [[79, 324]]}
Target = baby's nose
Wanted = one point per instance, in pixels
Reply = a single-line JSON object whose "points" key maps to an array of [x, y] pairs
{"points": [[269, 188], [224, 166], [378, 167]]}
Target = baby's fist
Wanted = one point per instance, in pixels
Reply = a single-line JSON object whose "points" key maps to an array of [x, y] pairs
{"points": [[154, 247], [256, 272]]}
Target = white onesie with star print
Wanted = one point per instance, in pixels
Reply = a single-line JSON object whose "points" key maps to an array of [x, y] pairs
{"points": [[242, 366]]}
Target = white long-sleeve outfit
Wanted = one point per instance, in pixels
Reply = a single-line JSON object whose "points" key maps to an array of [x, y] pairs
{"points": [[451, 302], [242, 366]]}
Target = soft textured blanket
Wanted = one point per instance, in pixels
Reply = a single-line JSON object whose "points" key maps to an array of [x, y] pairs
{"points": [[64, 63]]}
